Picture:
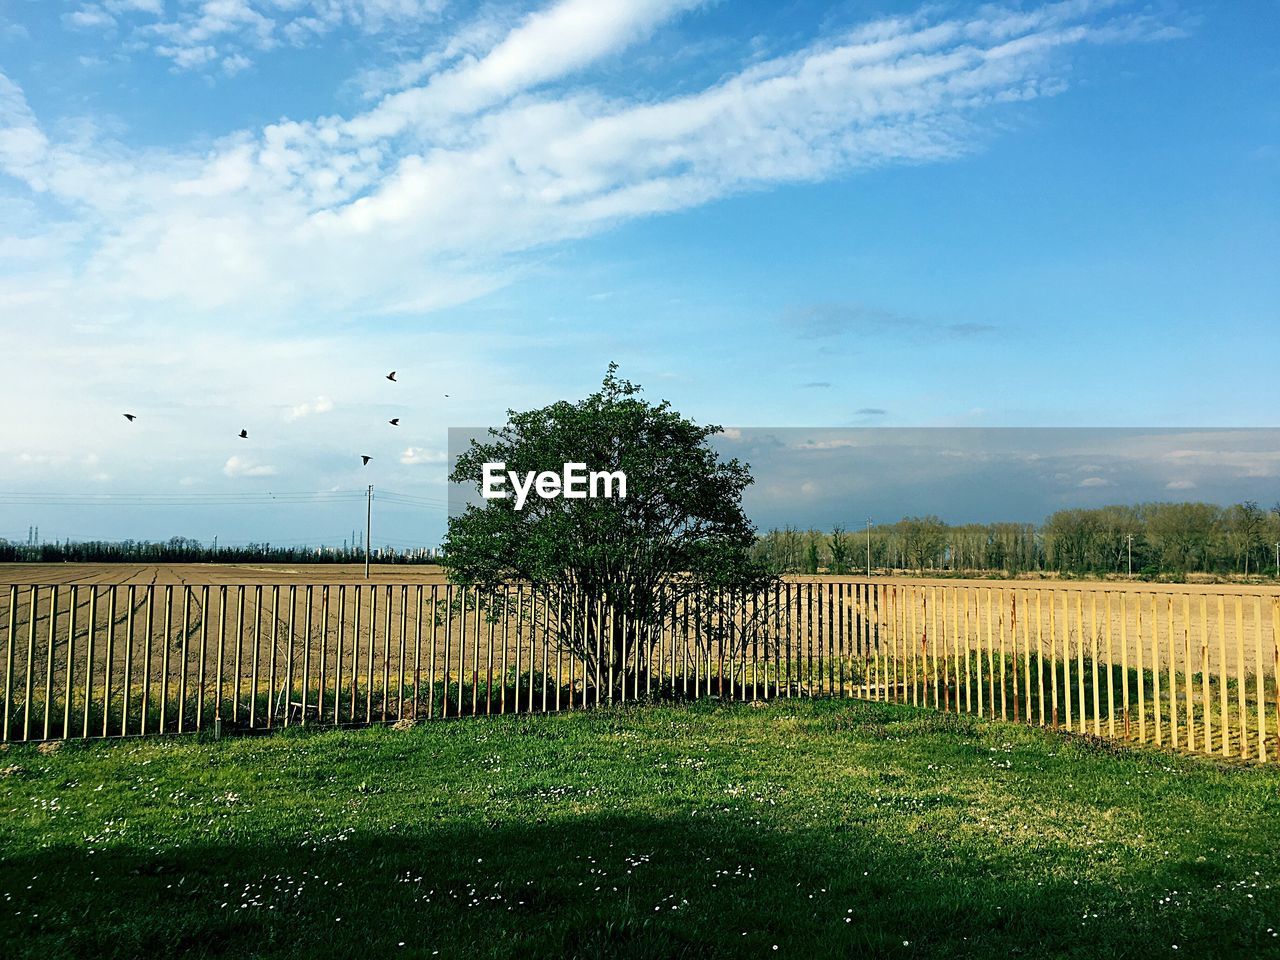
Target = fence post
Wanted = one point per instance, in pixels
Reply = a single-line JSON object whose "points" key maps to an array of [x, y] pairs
{"points": [[1241, 685], [127, 686], [1173, 678], [68, 690], [111, 657], [1081, 712], [1222, 676], [1155, 667], [431, 659], [164, 656], [1124, 655], [1259, 675], [1141, 676], [48, 678], [1188, 671], [222, 641]]}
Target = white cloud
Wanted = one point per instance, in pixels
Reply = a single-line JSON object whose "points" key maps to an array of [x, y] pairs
{"points": [[237, 466], [235, 63], [317, 406], [1245, 463], [1180, 485], [422, 200], [153, 7], [416, 455], [1096, 482], [89, 17], [835, 443], [201, 32]]}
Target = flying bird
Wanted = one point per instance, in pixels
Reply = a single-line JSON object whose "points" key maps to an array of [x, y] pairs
{"points": [[365, 460], [394, 421], [244, 434], [391, 376], [131, 417]]}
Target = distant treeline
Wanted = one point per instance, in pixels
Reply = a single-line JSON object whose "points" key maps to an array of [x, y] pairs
{"points": [[1168, 540], [184, 550]]}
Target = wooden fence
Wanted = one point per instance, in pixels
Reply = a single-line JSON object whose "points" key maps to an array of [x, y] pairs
{"points": [[1189, 669]]}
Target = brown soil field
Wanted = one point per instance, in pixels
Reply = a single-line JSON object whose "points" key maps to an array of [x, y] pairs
{"points": [[201, 574]]}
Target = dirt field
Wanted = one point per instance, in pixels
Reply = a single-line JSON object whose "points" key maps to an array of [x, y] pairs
{"points": [[202, 574]]}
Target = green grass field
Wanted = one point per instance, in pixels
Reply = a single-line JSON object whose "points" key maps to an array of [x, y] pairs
{"points": [[822, 829]]}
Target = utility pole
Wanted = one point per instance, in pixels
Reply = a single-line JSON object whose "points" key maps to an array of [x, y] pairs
{"points": [[368, 527], [1130, 539], [868, 546]]}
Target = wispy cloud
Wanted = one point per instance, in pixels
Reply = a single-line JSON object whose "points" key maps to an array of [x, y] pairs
{"points": [[202, 33], [242, 467], [825, 320], [309, 409], [417, 455], [423, 199]]}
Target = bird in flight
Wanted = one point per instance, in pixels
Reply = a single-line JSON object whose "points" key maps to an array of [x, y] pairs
{"points": [[394, 421], [365, 460], [244, 434], [131, 417], [392, 376]]}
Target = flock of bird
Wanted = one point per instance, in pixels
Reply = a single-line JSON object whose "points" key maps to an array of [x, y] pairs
{"points": [[364, 458]]}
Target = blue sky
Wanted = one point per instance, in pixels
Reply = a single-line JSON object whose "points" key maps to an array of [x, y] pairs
{"points": [[242, 213]]}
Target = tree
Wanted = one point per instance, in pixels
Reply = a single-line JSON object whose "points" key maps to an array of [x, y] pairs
{"points": [[923, 539], [678, 543], [1245, 523], [812, 561], [838, 547]]}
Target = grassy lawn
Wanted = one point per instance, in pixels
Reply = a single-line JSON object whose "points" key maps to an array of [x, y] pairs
{"points": [[818, 829]]}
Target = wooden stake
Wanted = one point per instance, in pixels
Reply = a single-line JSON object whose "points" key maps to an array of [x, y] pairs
{"points": [[1241, 685], [1259, 674], [1141, 677], [1204, 674], [1188, 668], [1040, 653], [1223, 673], [68, 691], [1124, 656]]}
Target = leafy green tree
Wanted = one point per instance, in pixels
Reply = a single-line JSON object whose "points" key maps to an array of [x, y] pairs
{"points": [[838, 548], [1245, 524], [679, 543], [812, 559], [923, 540]]}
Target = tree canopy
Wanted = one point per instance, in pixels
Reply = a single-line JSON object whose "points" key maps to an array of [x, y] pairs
{"points": [[678, 544]]}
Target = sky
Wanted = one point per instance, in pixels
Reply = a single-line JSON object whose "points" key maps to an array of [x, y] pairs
{"points": [[241, 214]]}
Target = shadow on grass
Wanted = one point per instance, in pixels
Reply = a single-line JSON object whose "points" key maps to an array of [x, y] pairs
{"points": [[692, 884]]}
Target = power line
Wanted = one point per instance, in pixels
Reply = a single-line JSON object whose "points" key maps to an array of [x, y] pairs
{"points": [[15, 498]]}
